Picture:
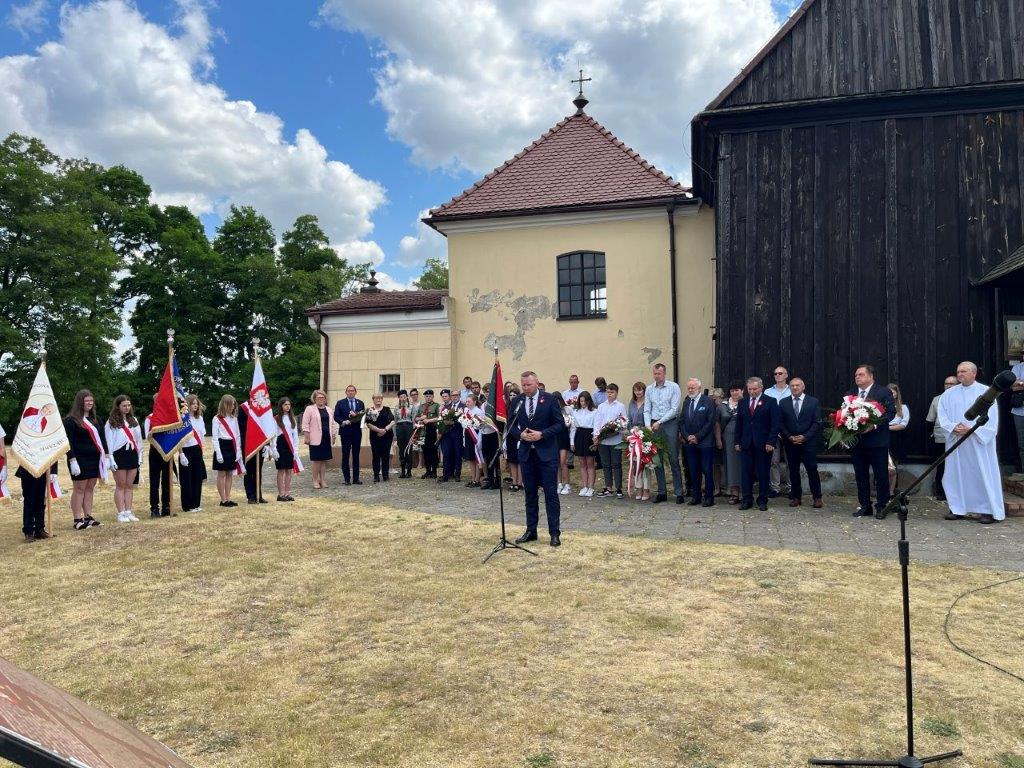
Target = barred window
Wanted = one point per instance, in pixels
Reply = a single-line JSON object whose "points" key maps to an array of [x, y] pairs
{"points": [[390, 383], [581, 286]]}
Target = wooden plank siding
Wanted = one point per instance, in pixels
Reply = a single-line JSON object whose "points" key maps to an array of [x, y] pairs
{"points": [[855, 241], [851, 47]]}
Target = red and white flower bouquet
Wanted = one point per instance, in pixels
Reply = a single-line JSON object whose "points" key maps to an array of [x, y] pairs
{"points": [[851, 420]]}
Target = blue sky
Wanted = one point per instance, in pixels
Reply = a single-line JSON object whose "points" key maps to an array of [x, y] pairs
{"points": [[400, 105]]}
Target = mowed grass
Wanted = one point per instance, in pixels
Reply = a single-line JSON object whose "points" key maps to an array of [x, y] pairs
{"points": [[323, 634]]}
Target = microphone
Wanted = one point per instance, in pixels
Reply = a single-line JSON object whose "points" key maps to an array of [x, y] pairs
{"points": [[1000, 384]]}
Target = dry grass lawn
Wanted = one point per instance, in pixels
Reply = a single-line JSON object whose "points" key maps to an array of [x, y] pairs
{"points": [[329, 634]]}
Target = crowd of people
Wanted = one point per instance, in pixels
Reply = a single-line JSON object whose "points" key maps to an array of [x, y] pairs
{"points": [[720, 444]]}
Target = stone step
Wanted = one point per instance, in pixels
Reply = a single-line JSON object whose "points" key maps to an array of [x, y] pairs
{"points": [[1014, 504], [1014, 484]]}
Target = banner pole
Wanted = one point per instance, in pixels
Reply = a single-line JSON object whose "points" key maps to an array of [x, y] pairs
{"points": [[171, 459], [49, 478]]}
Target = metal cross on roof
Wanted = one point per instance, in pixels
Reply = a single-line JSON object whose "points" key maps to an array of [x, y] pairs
{"points": [[581, 80]]}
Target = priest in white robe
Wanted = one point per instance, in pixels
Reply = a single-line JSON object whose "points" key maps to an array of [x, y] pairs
{"points": [[971, 481]]}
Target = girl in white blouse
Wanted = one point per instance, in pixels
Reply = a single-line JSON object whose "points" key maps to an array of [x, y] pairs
{"points": [[192, 471], [227, 448], [897, 427], [124, 455], [584, 419]]}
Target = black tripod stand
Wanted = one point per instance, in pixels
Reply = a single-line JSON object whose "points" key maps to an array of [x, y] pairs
{"points": [[900, 503], [503, 543]]}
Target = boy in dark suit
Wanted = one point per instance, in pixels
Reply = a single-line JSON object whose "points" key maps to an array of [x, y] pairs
{"points": [[801, 428], [871, 452], [535, 425], [697, 434], [757, 432], [351, 434]]}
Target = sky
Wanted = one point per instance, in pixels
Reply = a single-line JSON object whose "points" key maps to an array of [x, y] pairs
{"points": [[366, 113]]}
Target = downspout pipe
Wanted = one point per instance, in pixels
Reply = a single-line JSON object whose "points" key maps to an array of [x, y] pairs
{"points": [[326, 354], [672, 274]]}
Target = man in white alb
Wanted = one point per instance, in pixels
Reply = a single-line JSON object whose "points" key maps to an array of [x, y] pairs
{"points": [[971, 480]]}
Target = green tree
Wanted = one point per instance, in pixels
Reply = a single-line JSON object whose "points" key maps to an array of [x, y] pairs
{"points": [[435, 275], [58, 270]]}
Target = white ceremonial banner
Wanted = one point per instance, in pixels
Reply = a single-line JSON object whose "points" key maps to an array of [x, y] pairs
{"points": [[40, 439]]}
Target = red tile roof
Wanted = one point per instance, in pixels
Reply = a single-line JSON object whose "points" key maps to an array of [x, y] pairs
{"points": [[382, 301], [578, 163]]}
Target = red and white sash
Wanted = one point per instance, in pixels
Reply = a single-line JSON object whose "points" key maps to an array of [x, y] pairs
{"points": [[55, 491], [4, 493], [94, 435], [131, 437], [297, 463], [239, 467]]}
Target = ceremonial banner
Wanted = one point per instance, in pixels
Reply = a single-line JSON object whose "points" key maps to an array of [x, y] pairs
{"points": [[169, 424], [495, 409], [261, 427], [40, 439]]}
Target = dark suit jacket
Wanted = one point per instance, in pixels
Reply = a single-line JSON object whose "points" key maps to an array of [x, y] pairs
{"points": [[700, 424], [762, 428], [808, 424], [547, 419], [342, 411], [879, 436]]}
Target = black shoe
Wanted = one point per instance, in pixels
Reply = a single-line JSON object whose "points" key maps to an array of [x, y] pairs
{"points": [[528, 536], [251, 501], [861, 512], [486, 486], [985, 520], [282, 498], [951, 516], [346, 482], [264, 501], [708, 503], [660, 497], [680, 499], [880, 513], [746, 505], [357, 482], [693, 502], [425, 476], [29, 538], [230, 503], [772, 494], [156, 512], [289, 497], [442, 479], [42, 535], [763, 507], [555, 541], [81, 525]]}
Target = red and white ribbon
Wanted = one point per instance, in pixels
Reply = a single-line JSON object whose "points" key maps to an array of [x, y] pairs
{"points": [[55, 491], [297, 463], [94, 435], [239, 466]]}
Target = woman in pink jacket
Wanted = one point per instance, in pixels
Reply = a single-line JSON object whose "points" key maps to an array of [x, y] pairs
{"points": [[319, 431]]}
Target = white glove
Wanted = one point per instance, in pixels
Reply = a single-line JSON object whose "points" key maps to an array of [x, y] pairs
{"points": [[218, 457], [274, 452], [183, 459], [243, 470], [3, 474], [111, 464], [75, 469], [266, 452]]}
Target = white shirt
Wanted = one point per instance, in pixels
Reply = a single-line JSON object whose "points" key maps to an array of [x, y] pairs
{"points": [[1018, 371], [219, 433], [584, 418], [117, 439], [608, 412], [778, 394], [200, 429], [571, 394], [477, 411], [902, 418]]}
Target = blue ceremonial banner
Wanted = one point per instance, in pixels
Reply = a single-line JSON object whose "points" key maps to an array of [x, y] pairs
{"points": [[170, 399]]}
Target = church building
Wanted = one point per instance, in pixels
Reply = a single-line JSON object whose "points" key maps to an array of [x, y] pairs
{"points": [[574, 256]]}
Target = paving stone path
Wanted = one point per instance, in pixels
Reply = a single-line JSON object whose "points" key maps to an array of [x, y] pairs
{"points": [[832, 529]]}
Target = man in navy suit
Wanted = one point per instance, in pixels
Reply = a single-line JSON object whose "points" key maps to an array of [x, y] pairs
{"points": [[697, 433], [871, 451], [801, 428], [757, 432], [351, 434], [535, 424]]}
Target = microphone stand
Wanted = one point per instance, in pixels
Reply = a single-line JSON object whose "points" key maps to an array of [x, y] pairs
{"points": [[900, 503], [503, 542]]}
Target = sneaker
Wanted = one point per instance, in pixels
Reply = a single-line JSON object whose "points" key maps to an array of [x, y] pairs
{"points": [[606, 493], [122, 517], [619, 494], [131, 516], [583, 491], [81, 525], [91, 521], [565, 489]]}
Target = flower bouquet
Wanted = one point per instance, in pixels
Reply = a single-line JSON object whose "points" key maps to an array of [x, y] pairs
{"points": [[646, 449], [356, 417], [469, 421], [449, 418], [851, 420], [372, 414], [619, 426]]}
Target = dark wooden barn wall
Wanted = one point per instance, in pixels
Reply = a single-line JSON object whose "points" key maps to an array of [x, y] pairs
{"points": [[846, 47], [855, 242]]}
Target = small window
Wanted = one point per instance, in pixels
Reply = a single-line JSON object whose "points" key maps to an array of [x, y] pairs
{"points": [[581, 288], [390, 383]]}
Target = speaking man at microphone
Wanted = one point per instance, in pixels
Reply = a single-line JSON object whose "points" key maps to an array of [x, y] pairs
{"points": [[974, 489]]}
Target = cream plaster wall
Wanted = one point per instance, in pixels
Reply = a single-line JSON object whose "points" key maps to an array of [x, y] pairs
{"points": [[503, 289]]}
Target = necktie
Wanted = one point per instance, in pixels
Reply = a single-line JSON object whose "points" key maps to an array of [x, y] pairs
{"points": [[797, 404], [693, 405], [753, 405], [529, 407], [352, 405], [863, 394]]}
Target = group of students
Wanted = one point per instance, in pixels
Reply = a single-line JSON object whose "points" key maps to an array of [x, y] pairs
{"points": [[113, 451]]}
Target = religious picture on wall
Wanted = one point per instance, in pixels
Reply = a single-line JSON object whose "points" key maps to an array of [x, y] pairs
{"points": [[1014, 337]]}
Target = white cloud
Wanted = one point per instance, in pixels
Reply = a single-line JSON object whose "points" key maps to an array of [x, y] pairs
{"points": [[388, 283], [361, 252], [117, 88], [28, 17], [426, 243], [468, 83]]}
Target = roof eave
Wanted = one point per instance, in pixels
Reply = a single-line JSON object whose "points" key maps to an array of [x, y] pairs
{"points": [[684, 197]]}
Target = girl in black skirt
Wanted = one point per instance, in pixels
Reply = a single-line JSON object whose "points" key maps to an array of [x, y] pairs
{"points": [[511, 445], [124, 442], [287, 461], [86, 458], [585, 416], [227, 450], [192, 469], [564, 445]]}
